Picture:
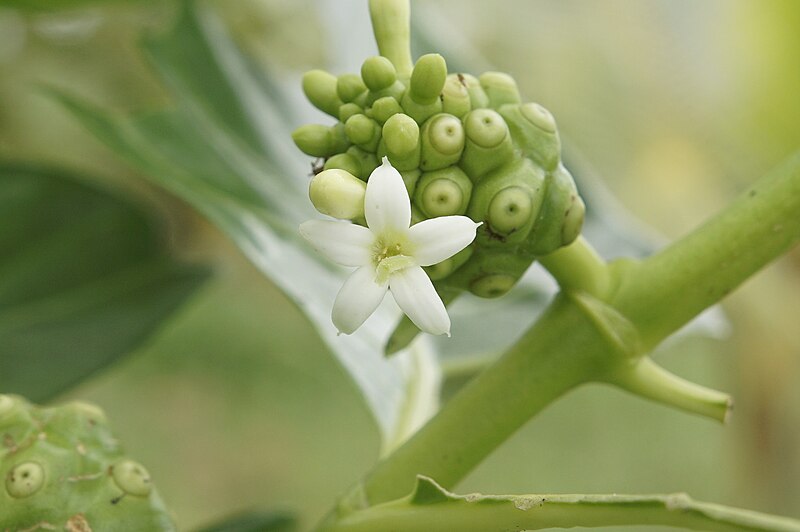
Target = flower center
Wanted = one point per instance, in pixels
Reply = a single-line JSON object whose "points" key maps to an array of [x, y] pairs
{"points": [[389, 258]]}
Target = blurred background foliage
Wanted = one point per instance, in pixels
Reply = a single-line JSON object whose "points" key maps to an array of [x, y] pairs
{"points": [[236, 403]]}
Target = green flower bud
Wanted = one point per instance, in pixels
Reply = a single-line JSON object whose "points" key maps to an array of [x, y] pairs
{"points": [[344, 161], [366, 160], [508, 200], [363, 131], [443, 192], [477, 96], [427, 79], [132, 478], [442, 142], [420, 112], [455, 98], [378, 73], [320, 89], [488, 144], [557, 223], [401, 141], [347, 110], [492, 285], [534, 130], [320, 141], [384, 108], [500, 88], [417, 217], [25, 479], [349, 87], [338, 193]]}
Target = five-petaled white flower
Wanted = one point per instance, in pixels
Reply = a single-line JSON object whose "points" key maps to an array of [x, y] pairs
{"points": [[389, 255]]}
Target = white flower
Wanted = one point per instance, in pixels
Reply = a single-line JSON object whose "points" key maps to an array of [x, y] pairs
{"points": [[389, 255]]}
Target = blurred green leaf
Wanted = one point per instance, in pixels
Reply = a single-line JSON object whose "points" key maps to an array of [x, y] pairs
{"points": [[254, 522], [226, 150], [84, 280], [52, 5]]}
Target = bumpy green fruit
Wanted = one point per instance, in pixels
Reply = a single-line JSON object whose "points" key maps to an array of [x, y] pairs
{"points": [[464, 145], [63, 470]]}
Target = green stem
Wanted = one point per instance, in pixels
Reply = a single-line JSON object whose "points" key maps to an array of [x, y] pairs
{"points": [[579, 267], [480, 513], [391, 25], [561, 351], [664, 292]]}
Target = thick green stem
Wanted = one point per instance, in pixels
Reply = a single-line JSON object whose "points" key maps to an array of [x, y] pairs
{"points": [[664, 292], [579, 267], [561, 351], [391, 25]]}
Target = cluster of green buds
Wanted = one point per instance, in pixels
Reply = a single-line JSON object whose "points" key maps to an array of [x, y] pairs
{"points": [[63, 470], [464, 145]]}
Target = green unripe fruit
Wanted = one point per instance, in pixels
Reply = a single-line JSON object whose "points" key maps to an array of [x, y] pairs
{"points": [[534, 131], [401, 141], [320, 141], [367, 161], [378, 73], [344, 161], [510, 209], [338, 193], [477, 96], [455, 98], [347, 110], [500, 88], [427, 79], [488, 143], [442, 142], [363, 131], [132, 478], [492, 285], [443, 192], [320, 88], [25, 479], [384, 108], [349, 87]]}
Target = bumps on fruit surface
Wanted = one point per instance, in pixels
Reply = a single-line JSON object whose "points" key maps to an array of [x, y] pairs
{"points": [[63, 470], [464, 145]]}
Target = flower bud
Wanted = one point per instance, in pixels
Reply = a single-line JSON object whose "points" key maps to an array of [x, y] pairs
{"points": [[378, 73], [427, 79], [455, 98], [349, 87], [132, 478], [384, 108], [492, 285], [320, 141], [448, 266], [410, 178], [366, 160], [344, 161], [320, 89], [363, 131], [338, 193], [561, 215], [534, 130], [500, 88], [25, 479], [443, 192], [442, 142], [488, 143], [347, 110], [401, 141]]}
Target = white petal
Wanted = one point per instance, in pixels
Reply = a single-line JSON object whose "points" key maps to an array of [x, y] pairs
{"points": [[415, 294], [386, 204], [358, 298], [342, 242], [437, 239]]}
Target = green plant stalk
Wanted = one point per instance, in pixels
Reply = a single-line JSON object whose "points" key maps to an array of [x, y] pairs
{"points": [[579, 267], [566, 348], [479, 513]]}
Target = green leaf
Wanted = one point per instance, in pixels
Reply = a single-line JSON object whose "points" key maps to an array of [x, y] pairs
{"points": [[84, 280], [254, 522], [226, 150], [432, 508]]}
